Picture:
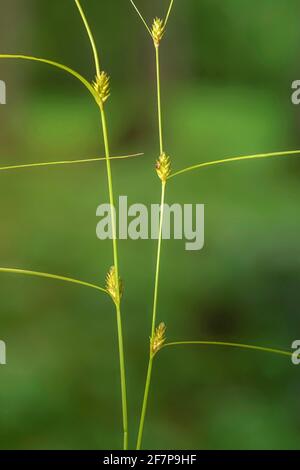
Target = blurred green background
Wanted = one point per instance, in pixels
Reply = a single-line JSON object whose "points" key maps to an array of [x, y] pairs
{"points": [[227, 69]]}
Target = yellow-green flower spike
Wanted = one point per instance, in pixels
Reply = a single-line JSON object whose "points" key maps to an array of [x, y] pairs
{"points": [[158, 339], [112, 287], [102, 87], [158, 30], [163, 167]]}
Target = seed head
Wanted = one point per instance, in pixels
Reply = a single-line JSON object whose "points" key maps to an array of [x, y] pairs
{"points": [[102, 87], [111, 285], [158, 30], [163, 167], [158, 340]]}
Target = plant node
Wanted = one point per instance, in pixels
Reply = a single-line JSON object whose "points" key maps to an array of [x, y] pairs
{"points": [[158, 30], [102, 87], [163, 167], [158, 340], [112, 285]]}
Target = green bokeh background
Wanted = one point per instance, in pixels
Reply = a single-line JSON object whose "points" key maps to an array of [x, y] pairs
{"points": [[227, 69]]}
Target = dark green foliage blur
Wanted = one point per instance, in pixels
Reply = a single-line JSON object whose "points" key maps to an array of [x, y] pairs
{"points": [[227, 69]]}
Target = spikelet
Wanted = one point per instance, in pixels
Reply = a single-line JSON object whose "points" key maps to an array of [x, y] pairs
{"points": [[158, 340], [158, 30], [163, 167], [102, 87], [111, 285]]}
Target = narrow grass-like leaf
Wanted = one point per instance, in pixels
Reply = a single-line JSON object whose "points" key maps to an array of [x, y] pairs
{"points": [[230, 345], [26, 272], [141, 17], [234, 159], [66, 162], [54, 64], [169, 12]]}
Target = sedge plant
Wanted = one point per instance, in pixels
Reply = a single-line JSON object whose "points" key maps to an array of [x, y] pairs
{"points": [[99, 89]]}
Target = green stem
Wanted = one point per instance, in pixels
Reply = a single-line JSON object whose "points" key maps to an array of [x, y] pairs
{"points": [[145, 402], [159, 245], [123, 378], [91, 37], [116, 265], [163, 190], [157, 271], [154, 314], [160, 131], [114, 234]]}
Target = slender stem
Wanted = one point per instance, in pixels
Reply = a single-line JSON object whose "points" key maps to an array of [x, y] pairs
{"points": [[91, 37], [145, 402], [158, 257], [157, 270], [235, 159], [56, 277], [66, 162], [123, 378], [160, 131], [230, 345], [110, 188], [154, 314], [114, 234], [116, 265]]}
